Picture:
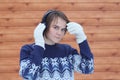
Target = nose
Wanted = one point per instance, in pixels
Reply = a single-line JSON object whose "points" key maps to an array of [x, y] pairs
{"points": [[59, 32]]}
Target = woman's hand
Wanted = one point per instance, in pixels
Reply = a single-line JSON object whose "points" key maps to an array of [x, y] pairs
{"points": [[38, 35], [77, 30]]}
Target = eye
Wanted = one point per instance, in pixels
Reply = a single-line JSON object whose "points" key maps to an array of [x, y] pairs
{"points": [[64, 29], [56, 27]]}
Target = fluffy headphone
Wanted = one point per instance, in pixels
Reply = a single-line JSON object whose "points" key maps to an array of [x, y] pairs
{"points": [[45, 16]]}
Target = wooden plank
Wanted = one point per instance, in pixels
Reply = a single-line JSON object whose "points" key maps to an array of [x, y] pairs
{"points": [[88, 29], [22, 37], [90, 76], [18, 22], [102, 29], [77, 14], [97, 60], [67, 38], [105, 44], [61, 1], [93, 14], [17, 30], [97, 21], [103, 37], [10, 76], [94, 37], [107, 68], [9, 53], [98, 68], [95, 76], [97, 53], [77, 6], [16, 37], [106, 60], [13, 45], [9, 69], [98, 76], [94, 45], [106, 52], [10, 22]]}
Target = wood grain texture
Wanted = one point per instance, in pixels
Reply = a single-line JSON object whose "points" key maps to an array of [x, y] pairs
{"points": [[36, 6], [77, 14], [99, 18], [60, 1]]}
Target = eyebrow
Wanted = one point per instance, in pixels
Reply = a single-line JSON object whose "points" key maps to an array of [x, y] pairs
{"points": [[59, 26]]}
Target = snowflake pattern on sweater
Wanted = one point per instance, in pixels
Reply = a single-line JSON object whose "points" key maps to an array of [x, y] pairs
{"points": [[57, 68]]}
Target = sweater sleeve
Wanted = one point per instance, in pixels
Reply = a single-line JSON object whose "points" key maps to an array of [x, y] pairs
{"points": [[30, 60], [83, 62]]}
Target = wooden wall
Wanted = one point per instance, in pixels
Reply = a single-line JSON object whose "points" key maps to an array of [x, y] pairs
{"points": [[101, 21]]}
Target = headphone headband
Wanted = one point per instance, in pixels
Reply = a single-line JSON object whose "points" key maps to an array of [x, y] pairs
{"points": [[45, 16]]}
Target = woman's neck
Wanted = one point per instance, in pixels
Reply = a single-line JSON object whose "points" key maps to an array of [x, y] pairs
{"points": [[47, 41]]}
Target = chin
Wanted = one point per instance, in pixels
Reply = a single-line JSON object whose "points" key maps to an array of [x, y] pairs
{"points": [[57, 41]]}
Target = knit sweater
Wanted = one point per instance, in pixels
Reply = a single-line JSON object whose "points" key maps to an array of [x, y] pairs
{"points": [[56, 62]]}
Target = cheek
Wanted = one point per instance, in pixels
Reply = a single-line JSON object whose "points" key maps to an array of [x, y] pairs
{"points": [[50, 33]]}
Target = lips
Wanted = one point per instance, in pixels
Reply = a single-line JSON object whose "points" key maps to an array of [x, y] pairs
{"points": [[58, 37]]}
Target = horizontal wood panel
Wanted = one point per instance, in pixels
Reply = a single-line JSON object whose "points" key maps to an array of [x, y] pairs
{"points": [[8, 22], [95, 37], [87, 29], [97, 61], [97, 53], [107, 60], [99, 45], [108, 76], [16, 30], [9, 69], [16, 37], [98, 68], [95, 45], [7, 66], [106, 52], [61, 1], [29, 37], [10, 53], [10, 76], [107, 68], [28, 6], [9, 62], [97, 76], [102, 29], [18, 22], [77, 14]]}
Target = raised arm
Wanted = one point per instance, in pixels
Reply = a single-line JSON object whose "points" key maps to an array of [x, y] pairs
{"points": [[31, 55], [83, 62]]}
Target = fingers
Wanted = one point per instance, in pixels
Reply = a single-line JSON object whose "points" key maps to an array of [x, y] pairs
{"points": [[40, 27], [75, 25], [74, 28], [71, 30]]}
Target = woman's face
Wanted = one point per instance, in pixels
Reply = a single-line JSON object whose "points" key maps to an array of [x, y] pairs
{"points": [[56, 31]]}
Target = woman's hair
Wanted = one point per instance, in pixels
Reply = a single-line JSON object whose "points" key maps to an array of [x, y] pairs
{"points": [[52, 15]]}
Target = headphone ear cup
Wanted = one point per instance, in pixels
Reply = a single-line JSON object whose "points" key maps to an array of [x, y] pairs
{"points": [[45, 16]]}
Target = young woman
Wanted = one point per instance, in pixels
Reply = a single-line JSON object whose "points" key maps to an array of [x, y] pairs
{"points": [[47, 59]]}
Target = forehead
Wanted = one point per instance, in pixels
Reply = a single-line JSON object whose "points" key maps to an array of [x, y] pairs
{"points": [[59, 22]]}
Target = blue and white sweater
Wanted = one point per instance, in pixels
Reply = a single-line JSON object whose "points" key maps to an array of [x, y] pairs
{"points": [[56, 62]]}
